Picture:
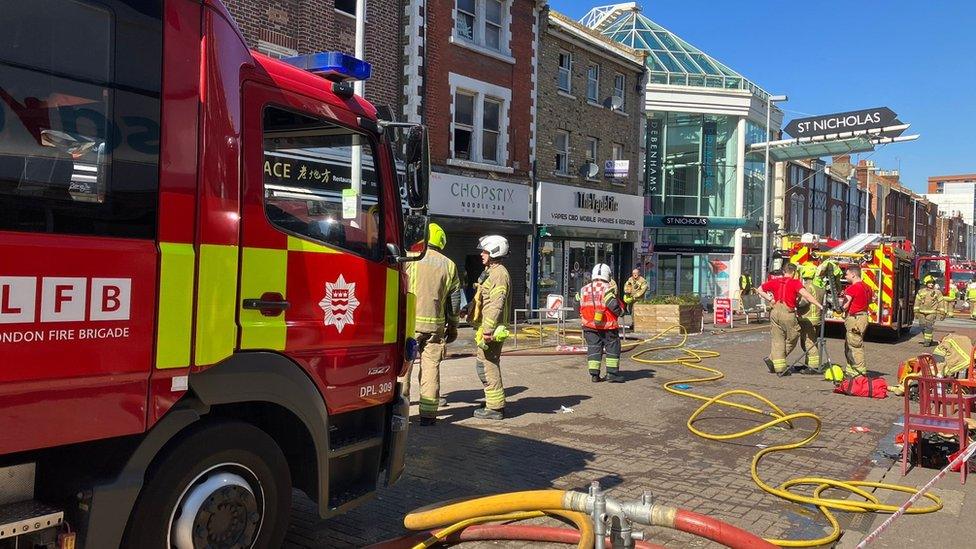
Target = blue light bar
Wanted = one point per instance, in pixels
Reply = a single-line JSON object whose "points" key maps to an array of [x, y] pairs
{"points": [[333, 65]]}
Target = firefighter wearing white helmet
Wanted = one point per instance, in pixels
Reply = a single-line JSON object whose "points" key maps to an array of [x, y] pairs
{"points": [[599, 313], [490, 308], [929, 305], [434, 281]]}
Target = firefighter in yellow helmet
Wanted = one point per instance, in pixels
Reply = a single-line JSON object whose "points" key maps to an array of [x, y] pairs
{"points": [[810, 316], [434, 280], [490, 308], [929, 305], [971, 297]]}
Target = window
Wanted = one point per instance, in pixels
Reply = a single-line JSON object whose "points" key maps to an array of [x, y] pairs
{"points": [[308, 175], [79, 125], [592, 153], [565, 79], [619, 85], [490, 129], [346, 6], [463, 125], [482, 22], [836, 222], [562, 152], [797, 213], [593, 83], [493, 24], [617, 152]]}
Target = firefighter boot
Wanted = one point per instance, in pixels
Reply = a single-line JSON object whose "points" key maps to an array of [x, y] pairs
{"points": [[615, 378], [769, 364], [488, 413], [427, 421], [595, 378]]}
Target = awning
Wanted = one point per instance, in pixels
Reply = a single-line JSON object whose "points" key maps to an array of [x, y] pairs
{"points": [[805, 151]]}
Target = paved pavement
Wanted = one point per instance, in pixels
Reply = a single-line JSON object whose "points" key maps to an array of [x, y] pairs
{"points": [[632, 437]]}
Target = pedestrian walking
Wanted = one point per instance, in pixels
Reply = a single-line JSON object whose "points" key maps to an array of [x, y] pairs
{"points": [[809, 316], [929, 306], [599, 311], [434, 281], [857, 298], [489, 315], [783, 292]]}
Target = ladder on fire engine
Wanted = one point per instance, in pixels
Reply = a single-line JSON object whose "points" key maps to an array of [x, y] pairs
{"points": [[856, 243]]}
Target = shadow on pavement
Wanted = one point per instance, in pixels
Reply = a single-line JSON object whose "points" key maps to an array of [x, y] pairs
{"points": [[445, 462]]}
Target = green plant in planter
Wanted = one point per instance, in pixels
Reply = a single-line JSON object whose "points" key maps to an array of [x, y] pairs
{"points": [[683, 299]]}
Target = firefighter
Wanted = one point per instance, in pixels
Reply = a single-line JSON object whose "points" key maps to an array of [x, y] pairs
{"points": [[810, 316], [951, 296], [491, 305], [971, 297], [928, 305], [783, 292], [434, 280], [857, 298], [634, 290], [599, 311]]}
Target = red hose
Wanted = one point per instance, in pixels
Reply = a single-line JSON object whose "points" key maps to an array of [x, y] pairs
{"points": [[500, 532], [718, 531]]}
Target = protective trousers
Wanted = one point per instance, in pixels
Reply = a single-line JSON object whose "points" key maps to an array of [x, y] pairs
{"points": [[927, 322], [809, 334], [856, 326], [784, 334], [972, 308], [598, 343], [432, 348], [490, 374]]}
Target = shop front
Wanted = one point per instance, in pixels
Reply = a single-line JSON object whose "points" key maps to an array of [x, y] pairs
{"points": [[469, 208], [580, 227]]}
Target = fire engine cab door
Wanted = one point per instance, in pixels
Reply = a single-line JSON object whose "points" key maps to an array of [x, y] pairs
{"points": [[315, 281]]}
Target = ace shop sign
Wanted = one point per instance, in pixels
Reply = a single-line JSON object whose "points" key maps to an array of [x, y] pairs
{"points": [[581, 207], [460, 196]]}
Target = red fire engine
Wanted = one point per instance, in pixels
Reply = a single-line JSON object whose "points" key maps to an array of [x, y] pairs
{"points": [[202, 299], [886, 266]]}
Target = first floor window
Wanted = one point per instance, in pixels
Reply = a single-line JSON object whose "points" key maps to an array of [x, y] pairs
{"points": [[464, 24], [593, 82], [493, 24], [463, 125], [562, 152], [619, 83], [490, 130], [797, 213], [617, 153], [565, 81]]}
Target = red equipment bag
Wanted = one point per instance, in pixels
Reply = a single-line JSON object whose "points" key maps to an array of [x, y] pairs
{"points": [[863, 386]]}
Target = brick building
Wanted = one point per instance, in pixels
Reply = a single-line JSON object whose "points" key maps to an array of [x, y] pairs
{"points": [[282, 28], [469, 75], [938, 183], [590, 116], [810, 196], [951, 235]]}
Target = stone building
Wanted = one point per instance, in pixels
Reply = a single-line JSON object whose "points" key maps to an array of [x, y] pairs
{"points": [[589, 139], [283, 28]]}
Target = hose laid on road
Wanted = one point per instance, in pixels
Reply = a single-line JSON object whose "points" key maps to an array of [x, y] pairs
{"points": [[692, 358]]}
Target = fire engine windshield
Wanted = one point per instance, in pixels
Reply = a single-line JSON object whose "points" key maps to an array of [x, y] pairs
{"points": [[320, 182]]}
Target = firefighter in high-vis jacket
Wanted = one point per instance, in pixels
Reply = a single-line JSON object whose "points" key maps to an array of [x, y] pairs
{"points": [[491, 306], [952, 354], [971, 297], [635, 288], [783, 292], [599, 311], [434, 281], [810, 316], [929, 305], [950, 299]]}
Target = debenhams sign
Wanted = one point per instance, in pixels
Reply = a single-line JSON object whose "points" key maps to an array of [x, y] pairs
{"points": [[473, 197], [580, 207]]}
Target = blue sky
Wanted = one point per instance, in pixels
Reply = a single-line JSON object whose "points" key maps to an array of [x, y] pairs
{"points": [[919, 58]]}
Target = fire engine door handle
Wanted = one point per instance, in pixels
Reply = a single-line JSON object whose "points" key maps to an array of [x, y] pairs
{"points": [[270, 304]]}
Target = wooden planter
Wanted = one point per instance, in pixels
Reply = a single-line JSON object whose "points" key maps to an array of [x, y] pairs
{"points": [[653, 318]]}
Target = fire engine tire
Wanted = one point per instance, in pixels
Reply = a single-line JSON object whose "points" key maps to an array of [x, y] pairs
{"points": [[226, 484]]}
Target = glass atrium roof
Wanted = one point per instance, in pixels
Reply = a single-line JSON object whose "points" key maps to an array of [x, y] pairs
{"points": [[670, 60]]}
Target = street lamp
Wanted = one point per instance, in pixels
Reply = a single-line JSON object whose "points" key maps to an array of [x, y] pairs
{"points": [[770, 99]]}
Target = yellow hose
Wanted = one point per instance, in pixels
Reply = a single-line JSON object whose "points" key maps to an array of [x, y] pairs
{"points": [[692, 358]]}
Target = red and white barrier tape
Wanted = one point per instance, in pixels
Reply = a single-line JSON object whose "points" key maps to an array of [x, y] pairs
{"points": [[961, 458]]}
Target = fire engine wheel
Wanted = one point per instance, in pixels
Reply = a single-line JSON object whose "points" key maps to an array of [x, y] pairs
{"points": [[225, 486]]}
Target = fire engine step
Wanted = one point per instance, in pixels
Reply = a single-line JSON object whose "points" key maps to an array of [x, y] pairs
{"points": [[23, 517]]}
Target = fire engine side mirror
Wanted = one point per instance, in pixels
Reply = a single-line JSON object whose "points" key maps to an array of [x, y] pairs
{"points": [[417, 156], [414, 237]]}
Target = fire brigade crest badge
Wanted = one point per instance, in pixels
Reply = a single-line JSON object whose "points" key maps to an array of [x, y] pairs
{"points": [[339, 303]]}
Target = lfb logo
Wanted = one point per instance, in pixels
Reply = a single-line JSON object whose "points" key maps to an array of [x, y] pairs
{"points": [[63, 299], [339, 303]]}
